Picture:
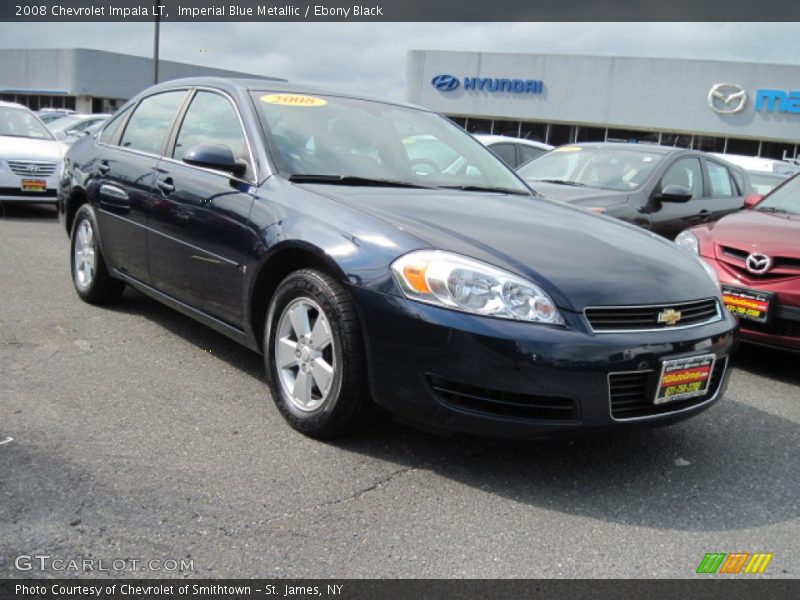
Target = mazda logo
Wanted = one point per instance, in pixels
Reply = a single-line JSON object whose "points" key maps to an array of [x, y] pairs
{"points": [[727, 98], [445, 83], [758, 263]]}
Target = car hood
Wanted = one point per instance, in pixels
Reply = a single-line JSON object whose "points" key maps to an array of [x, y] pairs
{"points": [[581, 259], [14, 148], [578, 195], [751, 230]]}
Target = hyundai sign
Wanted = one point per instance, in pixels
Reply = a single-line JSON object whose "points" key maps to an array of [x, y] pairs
{"points": [[448, 83]]}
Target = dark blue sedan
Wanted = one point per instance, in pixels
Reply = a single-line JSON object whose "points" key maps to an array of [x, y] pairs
{"points": [[382, 260]]}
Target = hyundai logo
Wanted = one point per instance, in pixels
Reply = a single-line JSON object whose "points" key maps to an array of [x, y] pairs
{"points": [[758, 264], [727, 98], [445, 83], [33, 169]]}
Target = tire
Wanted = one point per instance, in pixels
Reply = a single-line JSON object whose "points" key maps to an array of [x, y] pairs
{"points": [[309, 308], [90, 275]]}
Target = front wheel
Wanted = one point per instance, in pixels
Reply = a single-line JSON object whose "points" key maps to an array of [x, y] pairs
{"points": [[89, 272], [314, 356]]}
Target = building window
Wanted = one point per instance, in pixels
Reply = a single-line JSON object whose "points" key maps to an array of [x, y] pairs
{"points": [[777, 150], [460, 121], [708, 144], [632, 136], [533, 131], [591, 134], [508, 128], [558, 135], [676, 140], [479, 125], [745, 147]]}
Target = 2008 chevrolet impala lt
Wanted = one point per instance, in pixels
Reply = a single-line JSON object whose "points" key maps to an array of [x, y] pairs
{"points": [[435, 285]]}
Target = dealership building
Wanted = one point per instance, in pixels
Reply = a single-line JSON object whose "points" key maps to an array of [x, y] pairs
{"points": [[732, 107], [86, 80]]}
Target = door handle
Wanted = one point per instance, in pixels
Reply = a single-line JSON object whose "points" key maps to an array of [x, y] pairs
{"points": [[165, 185]]}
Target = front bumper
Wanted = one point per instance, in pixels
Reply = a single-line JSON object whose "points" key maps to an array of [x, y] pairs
{"points": [[448, 370], [783, 329], [11, 188]]}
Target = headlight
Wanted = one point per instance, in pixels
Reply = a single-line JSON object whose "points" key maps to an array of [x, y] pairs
{"points": [[688, 240], [464, 284]]}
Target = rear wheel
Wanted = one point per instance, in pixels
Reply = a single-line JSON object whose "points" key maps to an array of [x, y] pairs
{"points": [[315, 358], [89, 272]]}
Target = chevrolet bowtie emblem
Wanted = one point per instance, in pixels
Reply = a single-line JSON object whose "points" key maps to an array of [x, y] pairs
{"points": [[669, 316]]}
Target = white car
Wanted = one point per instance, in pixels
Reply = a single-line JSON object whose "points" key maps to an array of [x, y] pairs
{"points": [[514, 151], [70, 128], [30, 157], [762, 165]]}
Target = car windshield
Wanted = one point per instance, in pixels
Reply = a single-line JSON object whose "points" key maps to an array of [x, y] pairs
{"points": [[619, 169], [63, 123], [785, 199], [350, 141], [18, 122], [764, 182]]}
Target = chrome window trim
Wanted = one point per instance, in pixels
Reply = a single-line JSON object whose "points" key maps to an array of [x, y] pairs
{"points": [[716, 318], [664, 414]]}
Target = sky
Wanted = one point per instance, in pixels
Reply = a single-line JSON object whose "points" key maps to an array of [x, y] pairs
{"points": [[370, 57]]}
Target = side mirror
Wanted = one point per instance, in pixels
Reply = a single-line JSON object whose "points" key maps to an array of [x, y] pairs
{"points": [[215, 156], [675, 193], [752, 199]]}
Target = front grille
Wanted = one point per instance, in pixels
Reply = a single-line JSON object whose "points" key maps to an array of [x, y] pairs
{"points": [[782, 266], [637, 318], [33, 169], [6, 191], [503, 404], [632, 394], [776, 326]]}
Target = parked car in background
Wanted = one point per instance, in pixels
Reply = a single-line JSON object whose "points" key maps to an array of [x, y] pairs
{"points": [[48, 115], [513, 151], [760, 164], [71, 127], [659, 188], [756, 254], [301, 224], [30, 157], [763, 183]]}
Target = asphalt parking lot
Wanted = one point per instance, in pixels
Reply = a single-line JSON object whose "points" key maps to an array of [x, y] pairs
{"points": [[139, 434]]}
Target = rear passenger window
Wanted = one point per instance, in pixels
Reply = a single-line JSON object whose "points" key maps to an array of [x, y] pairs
{"points": [[110, 131], [720, 179], [528, 153], [211, 119], [149, 125], [506, 152]]}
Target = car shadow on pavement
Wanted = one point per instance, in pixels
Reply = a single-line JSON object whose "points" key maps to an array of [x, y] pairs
{"points": [[768, 362], [732, 467], [27, 212]]}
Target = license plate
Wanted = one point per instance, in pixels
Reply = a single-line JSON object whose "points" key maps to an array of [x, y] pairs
{"points": [[34, 185], [684, 378], [747, 304]]}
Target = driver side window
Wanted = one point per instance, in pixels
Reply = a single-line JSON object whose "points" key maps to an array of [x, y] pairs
{"points": [[686, 173]]}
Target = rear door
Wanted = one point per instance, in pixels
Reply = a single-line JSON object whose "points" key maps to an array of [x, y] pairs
{"points": [[725, 193], [130, 148], [198, 224]]}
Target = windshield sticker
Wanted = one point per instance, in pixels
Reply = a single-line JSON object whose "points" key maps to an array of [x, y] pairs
{"points": [[293, 100], [567, 149]]}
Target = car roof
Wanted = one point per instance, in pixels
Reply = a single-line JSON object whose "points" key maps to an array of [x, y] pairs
{"points": [[493, 139], [649, 148], [4, 104], [231, 84]]}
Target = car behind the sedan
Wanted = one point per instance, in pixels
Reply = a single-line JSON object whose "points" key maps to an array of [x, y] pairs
{"points": [[756, 254], [369, 272]]}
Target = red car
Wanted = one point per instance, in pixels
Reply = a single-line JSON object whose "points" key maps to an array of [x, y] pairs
{"points": [[756, 254]]}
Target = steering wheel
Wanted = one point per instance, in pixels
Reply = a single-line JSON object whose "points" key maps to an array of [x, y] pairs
{"points": [[432, 167]]}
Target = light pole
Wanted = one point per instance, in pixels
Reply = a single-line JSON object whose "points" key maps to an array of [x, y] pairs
{"points": [[155, 43]]}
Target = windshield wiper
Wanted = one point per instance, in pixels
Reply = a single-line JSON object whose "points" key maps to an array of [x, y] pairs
{"points": [[561, 182], [352, 180], [479, 188], [772, 209]]}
